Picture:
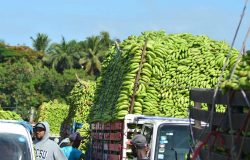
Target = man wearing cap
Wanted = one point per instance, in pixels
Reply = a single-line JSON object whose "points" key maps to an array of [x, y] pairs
{"points": [[71, 151], [46, 149], [140, 147]]}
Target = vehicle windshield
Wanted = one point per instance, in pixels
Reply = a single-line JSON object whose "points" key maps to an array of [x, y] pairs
{"points": [[172, 142], [14, 147]]}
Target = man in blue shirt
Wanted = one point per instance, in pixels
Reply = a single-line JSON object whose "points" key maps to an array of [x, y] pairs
{"points": [[71, 151]]}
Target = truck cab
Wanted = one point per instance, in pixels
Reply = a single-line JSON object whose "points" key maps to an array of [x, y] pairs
{"points": [[168, 138]]}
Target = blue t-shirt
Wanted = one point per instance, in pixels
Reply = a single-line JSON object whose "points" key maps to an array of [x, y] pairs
{"points": [[71, 153]]}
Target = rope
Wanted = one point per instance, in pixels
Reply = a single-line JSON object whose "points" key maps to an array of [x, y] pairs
{"points": [[205, 141], [192, 135], [232, 151], [225, 64], [222, 72], [245, 124]]}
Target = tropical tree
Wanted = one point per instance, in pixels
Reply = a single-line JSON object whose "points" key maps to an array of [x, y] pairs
{"points": [[17, 86], [105, 39], [95, 49], [93, 55], [64, 55], [41, 42], [15, 53]]}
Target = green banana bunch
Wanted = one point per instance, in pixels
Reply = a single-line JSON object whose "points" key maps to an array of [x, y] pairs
{"points": [[172, 64], [241, 76]]}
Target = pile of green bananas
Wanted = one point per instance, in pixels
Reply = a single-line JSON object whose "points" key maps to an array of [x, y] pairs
{"points": [[241, 76], [80, 100], [54, 113], [9, 115], [61, 116], [172, 64]]}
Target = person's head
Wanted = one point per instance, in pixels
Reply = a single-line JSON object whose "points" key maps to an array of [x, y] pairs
{"points": [[75, 139], [39, 130], [139, 146]]}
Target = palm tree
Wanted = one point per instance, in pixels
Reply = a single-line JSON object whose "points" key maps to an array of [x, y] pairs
{"points": [[96, 48], [93, 55], [105, 39], [41, 42], [64, 55]]}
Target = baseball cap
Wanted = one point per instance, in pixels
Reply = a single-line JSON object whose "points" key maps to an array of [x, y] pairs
{"points": [[75, 137], [139, 141], [40, 125]]}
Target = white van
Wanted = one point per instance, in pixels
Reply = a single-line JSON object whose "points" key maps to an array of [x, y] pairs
{"points": [[15, 141]]}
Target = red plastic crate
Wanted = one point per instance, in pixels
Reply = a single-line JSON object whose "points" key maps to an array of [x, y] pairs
{"points": [[93, 126], [106, 136], [115, 147], [102, 126], [105, 146], [116, 136], [94, 135], [97, 145], [99, 156], [100, 135], [117, 126], [99, 126], [107, 126], [114, 157]]}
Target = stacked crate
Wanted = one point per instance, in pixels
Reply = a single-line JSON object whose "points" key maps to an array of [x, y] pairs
{"points": [[107, 140], [227, 135]]}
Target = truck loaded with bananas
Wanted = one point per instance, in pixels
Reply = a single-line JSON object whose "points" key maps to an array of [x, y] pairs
{"points": [[151, 74], [240, 78]]}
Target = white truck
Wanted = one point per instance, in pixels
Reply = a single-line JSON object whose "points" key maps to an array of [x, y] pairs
{"points": [[15, 141], [168, 138]]}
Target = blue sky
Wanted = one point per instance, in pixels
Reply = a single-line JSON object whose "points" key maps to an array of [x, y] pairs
{"points": [[78, 19]]}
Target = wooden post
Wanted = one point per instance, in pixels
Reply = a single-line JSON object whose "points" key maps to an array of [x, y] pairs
{"points": [[196, 122], [32, 115], [131, 108]]}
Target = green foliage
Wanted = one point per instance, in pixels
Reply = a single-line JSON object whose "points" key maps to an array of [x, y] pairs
{"points": [[64, 55], [29, 78], [54, 113], [17, 90], [23, 85], [58, 86], [9, 115], [15, 53]]}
